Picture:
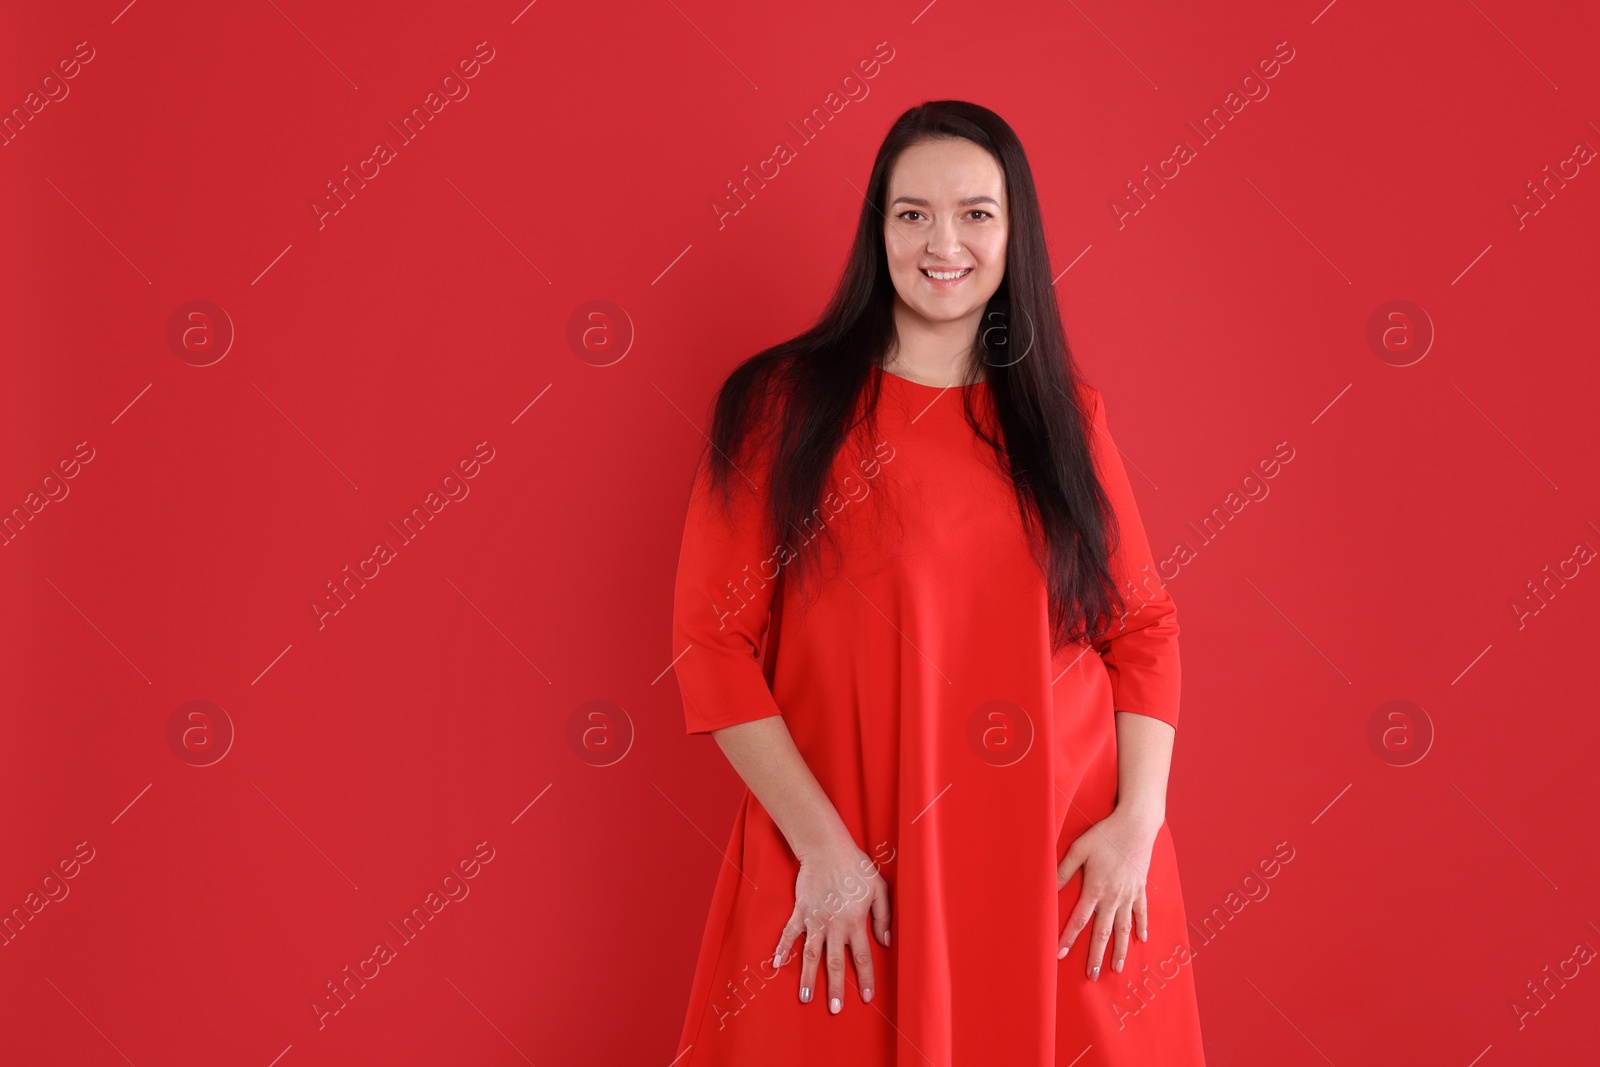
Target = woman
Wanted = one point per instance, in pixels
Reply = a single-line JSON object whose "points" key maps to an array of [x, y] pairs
{"points": [[953, 846]]}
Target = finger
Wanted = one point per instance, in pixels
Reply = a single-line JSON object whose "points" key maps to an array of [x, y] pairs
{"points": [[834, 955], [1141, 916], [880, 912], [791, 930], [1121, 926], [1076, 922], [861, 953], [1098, 939], [1069, 864], [809, 959]]}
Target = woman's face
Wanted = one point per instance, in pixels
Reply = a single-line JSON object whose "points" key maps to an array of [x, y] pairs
{"points": [[946, 215]]}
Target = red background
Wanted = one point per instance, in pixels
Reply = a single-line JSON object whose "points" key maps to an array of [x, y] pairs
{"points": [[434, 711]]}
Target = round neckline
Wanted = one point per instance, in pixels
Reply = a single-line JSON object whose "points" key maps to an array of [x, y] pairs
{"points": [[924, 385]]}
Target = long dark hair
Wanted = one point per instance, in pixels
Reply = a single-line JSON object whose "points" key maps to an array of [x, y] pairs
{"points": [[798, 401]]}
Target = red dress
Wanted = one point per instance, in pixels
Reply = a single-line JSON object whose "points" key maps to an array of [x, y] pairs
{"points": [[918, 684]]}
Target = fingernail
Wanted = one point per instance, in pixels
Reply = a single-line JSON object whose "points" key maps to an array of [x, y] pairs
{"points": [[886, 939], [866, 994], [834, 1005], [777, 959], [1094, 975], [1144, 935], [1061, 953], [805, 994], [1117, 966]]}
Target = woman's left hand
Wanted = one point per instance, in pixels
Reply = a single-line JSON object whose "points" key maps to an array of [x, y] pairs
{"points": [[1115, 856]]}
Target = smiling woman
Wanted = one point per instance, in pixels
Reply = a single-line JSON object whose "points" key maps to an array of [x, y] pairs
{"points": [[923, 680]]}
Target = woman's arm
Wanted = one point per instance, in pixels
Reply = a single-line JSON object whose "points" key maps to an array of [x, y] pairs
{"points": [[764, 754], [1144, 757]]}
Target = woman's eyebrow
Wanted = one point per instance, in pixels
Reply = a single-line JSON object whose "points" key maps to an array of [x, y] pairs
{"points": [[916, 201]]}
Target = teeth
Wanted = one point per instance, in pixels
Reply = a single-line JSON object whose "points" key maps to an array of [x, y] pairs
{"points": [[946, 275]]}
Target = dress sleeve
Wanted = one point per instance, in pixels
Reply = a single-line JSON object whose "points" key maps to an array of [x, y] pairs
{"points": [[1141, 649], [724, 590]]}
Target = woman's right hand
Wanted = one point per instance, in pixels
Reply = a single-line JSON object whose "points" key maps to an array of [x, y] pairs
{"points": [[836, 890]]}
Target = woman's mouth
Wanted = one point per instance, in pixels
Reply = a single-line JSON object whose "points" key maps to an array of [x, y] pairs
{"points": [[944, 279]]}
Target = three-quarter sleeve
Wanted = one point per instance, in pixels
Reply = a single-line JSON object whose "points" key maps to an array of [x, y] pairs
{"points": [[724, 590], [1140, 650]]}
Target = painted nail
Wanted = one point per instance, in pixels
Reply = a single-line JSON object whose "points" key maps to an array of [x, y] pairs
{"points": [[1144, 935], [1094, 975], [777, 959], [1061, 954], [834, 1005], [866, 995], [886, 938], [1117, 966], [805, 994]]}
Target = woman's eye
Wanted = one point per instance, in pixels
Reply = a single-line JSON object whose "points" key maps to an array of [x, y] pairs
{"points": [[908, 211], [980, 211]]}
